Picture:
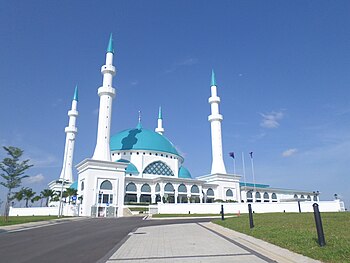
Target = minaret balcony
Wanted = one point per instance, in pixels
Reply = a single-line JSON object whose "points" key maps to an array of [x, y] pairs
{"points": [[108, 69], [214, 100], [71, 129], [72, 113], [215, 117], [110, 91]]}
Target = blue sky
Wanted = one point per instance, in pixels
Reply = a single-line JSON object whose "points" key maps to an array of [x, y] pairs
{"points": [[282, 69]]}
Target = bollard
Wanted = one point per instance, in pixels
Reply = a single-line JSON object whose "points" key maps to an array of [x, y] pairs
{"points": [[251, 223], [319, 228], [299, 206], [222, 212]]}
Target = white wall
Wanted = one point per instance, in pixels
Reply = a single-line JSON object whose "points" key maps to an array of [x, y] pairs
{"points": [[68, 210], [214, 208]]}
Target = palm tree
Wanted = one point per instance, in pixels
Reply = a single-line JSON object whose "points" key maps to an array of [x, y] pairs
{"points": [[28, 195], [48, 194], [71, 192]]}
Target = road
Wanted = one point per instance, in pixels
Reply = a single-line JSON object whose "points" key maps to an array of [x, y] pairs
{"points": [[76, 241]]}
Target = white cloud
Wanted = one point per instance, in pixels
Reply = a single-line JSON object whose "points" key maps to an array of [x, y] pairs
{"points": [[183, 63], [134, 83], [289, 152], [35, 179], [271, 120]]}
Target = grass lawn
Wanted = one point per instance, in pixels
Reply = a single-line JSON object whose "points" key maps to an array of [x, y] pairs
{"points": [[187, 215], [14, 220], [297, 232]]}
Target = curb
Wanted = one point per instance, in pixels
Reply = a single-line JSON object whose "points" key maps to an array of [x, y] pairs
{"points": [[272, 251]]}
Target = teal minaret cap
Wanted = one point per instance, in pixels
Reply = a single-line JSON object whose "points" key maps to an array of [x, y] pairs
{"points": [[75, 97], [160, 113], [139, 125], [110, 48], [213, 82]]}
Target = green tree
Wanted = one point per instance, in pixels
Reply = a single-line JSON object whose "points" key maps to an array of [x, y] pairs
{"points": [[71, 192], [27, 194], [12, 171], [47, 193]]}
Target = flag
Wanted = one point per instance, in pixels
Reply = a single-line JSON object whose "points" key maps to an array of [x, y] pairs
{"points": [[232, 154], [251, 155]]}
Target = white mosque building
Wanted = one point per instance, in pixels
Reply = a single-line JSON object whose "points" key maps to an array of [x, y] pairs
{"points": [[139, 165]]}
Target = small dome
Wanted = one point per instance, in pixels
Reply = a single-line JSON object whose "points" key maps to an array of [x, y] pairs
{"points": [[131, 169], [184, 173], [141, 139], [74, 185]]}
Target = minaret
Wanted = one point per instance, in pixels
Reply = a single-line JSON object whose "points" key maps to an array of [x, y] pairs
{"points": [[215, 119], [160, 128], [106, 94], [71, 130]]}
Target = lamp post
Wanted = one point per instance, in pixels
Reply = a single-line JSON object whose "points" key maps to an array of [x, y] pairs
{"points": [[61, 195]]}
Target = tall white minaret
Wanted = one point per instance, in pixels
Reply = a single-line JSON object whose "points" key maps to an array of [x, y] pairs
{"points": [[215, 119], [106, 93], [71, 130], [160, 128]]}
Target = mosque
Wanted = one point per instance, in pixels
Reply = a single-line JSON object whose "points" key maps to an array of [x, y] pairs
{"points": [[139, 165]]}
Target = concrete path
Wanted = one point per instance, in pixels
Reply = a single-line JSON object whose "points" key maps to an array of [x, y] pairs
{"points": [[198, 242]]}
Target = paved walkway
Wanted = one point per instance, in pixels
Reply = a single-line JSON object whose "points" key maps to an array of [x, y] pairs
{"points": [[198, 242]]}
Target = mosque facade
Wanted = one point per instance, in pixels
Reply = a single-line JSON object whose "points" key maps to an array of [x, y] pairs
{"points": [[140, 165]]}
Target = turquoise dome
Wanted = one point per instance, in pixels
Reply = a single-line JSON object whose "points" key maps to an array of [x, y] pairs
{"points": [[131, 168], [184, 173], [74, 185], [143, 140]]}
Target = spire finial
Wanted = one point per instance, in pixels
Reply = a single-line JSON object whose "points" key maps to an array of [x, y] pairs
{"points": [[160, 113], [75, 97], [213, 82], [139, 125], [110, 48]]}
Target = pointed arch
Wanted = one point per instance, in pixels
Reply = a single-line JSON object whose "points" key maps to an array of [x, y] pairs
{"points": [[158, 168]]}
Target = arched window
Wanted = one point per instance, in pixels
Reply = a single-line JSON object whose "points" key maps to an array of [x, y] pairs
{"points": [[274, 197], [158, 168], [315, 197], [295, 196], [182, 188], [169, 187], [82, 186], [157, 187], [229, 193], [194, 189], [146, 188], [308, 197], [302, 196], [131, 187], [210, 192], [266, 195], [106, 185], [249, 194], [257, 195]]}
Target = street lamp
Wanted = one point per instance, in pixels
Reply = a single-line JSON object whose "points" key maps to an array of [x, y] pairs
{"points": [[61, 195]]}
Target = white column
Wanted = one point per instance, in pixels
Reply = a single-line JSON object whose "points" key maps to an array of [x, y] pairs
{"points": [[215, 119], [106, 94], [70, 130]]}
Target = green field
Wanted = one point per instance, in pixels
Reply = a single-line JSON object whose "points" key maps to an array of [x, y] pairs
{"points": [[187, 215], [14, 220], [297, 232]]}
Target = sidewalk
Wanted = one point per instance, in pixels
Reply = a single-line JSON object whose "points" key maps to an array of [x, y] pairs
{"points": [[31, 225], [199, 242]]}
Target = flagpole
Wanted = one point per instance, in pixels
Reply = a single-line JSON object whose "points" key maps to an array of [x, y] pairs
{"points": [[234, 166], [245, 182], [232, 154], [252, 162]]}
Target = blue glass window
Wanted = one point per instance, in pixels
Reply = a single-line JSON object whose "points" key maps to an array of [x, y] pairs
{"points": [[158, 168]]}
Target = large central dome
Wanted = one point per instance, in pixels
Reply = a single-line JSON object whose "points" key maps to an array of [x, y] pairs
{"points": [[141, 139]]}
